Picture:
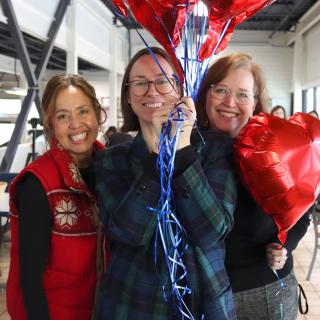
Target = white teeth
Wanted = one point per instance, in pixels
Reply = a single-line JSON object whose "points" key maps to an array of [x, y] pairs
{"points": [[227, 114], [79, 136], [153, 105]]}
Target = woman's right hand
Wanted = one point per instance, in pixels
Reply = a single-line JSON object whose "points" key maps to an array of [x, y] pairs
{"points": [[161, 116], [276, 256]]}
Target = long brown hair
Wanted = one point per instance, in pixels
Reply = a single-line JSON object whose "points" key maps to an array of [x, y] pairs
{"points": [[130, 120], [51, 91], [219, 70]]}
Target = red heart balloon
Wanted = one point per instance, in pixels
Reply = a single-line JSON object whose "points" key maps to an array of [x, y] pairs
{"points": [[164, 19], [220, 11], [279, 161]]}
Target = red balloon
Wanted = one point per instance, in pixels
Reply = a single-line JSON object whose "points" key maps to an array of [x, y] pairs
{"points": [[165, 20], [279, 162], [121, 7], [220, 11]]}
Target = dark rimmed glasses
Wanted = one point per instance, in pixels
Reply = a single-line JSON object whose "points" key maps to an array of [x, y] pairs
{"points": [[162, 85]]}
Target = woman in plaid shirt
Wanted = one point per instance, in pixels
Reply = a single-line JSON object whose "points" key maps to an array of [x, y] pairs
{"points": [[128, 184]]}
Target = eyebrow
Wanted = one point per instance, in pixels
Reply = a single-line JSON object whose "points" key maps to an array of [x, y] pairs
{"points": [[224, 85], [65, 110], [157, 75]]}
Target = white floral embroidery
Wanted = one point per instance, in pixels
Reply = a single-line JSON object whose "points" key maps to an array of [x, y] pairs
{"points": [[66, 213], [75, 174]]}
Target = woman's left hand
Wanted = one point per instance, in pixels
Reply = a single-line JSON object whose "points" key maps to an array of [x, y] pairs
{"points": [[276, 256], [189, 116], [161, 116]]}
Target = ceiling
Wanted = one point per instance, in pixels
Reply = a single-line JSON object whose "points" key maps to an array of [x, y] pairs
{"points": [[35, 47], [282, 15]]}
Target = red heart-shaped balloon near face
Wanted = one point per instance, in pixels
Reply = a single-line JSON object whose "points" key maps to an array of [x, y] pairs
{"points": [[280, 163]]}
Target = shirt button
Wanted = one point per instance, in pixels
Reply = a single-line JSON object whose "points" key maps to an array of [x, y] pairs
{"points": [[143, 187], [186, 195]]}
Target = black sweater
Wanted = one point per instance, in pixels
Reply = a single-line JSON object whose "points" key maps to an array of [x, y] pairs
{"points": [[253, 229]]}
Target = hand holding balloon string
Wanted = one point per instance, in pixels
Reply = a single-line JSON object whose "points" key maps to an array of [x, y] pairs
{"points": [[180, 114]]}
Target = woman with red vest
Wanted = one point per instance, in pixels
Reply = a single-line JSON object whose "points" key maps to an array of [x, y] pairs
{"points": [[55, 230]]}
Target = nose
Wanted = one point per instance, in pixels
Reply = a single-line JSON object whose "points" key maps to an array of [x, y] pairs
{"points": [[152, 89], [74, 121], [230, 100]]}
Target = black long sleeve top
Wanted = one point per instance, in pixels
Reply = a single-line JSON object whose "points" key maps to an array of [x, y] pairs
{"points": [[246, 259]]}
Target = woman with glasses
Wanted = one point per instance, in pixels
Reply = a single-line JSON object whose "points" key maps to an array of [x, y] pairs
{"points": [[232, 92], [137, 286]]}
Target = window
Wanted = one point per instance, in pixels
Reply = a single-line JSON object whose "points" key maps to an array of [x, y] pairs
{"points": [[310, 99], [317, 102]]}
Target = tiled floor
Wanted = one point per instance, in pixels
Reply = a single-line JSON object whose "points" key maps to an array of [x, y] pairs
{"points": [[303, 255]]}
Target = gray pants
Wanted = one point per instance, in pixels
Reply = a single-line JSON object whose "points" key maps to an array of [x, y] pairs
{"points": [[263, 304]]}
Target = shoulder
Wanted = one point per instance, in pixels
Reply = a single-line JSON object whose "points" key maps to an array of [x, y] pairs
{"points": [[212, 143], [116, 157]]}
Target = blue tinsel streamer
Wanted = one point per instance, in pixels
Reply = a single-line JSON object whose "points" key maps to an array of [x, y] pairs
{"points": [[170, 232], [279, 293]]}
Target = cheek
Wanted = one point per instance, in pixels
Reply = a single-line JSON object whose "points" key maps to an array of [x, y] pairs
{"points": [[249, 110], [94, 125], [210, 104], [57, 128]]}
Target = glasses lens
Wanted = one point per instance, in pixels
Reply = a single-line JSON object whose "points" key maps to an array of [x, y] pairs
{"points": [[220, 92], [242, 97], [139, 87], [164, 85]]}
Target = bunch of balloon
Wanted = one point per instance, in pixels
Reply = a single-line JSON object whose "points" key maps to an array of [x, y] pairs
{"points": [[189, 35]]}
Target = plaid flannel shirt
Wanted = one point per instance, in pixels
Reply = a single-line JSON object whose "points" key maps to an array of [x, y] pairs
{"points": [[204, 196]]}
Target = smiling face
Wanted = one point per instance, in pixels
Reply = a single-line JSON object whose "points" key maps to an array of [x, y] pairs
{"points": [[225, 114], [75, 124], [145, 68]]}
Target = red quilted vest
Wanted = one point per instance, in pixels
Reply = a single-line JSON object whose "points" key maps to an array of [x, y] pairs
{"points": [[71, 274]]}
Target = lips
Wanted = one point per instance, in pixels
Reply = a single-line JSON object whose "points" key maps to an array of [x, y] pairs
{"points": [[227, 114], [79, 136], [153, 105]]}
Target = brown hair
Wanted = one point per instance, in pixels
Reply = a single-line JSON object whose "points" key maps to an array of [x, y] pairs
{"points": [[51, 91], [130, 119], [275, 108], [219, 70]]}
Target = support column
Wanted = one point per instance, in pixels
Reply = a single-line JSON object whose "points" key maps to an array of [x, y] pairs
{"points": [[297, 74], [113, 84], [113, 99], [32, 77], [72, 54]]}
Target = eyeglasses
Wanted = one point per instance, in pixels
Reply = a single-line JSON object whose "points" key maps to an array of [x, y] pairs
{"points": [[240, 97], [141, 87]]}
